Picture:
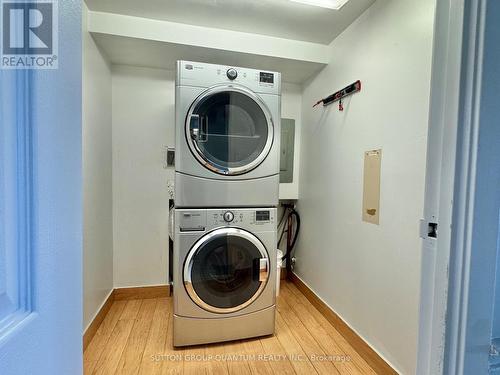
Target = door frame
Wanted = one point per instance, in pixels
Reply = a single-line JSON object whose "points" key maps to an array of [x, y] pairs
{"points": [[451, 198], [475, 245]]}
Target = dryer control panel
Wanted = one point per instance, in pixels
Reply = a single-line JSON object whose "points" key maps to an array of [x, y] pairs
{"points": [[207, 75]]}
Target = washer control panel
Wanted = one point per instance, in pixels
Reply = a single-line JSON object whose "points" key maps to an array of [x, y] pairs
{"points": [[241, 217], [203, 220]]}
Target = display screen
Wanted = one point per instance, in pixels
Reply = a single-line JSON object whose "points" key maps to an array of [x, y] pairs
{"points": [[262, 216], [266, 77]]}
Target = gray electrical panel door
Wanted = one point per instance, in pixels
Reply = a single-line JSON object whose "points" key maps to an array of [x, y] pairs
{"points": [[287, 150]]}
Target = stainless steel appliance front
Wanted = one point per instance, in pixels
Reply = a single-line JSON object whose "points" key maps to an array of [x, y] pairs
{"points": [[224, 268], [227, 136]]}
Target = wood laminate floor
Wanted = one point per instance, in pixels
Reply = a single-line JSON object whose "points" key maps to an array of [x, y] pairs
{"points": [[136, 338]]}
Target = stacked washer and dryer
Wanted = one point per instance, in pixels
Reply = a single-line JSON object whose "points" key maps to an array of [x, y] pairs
{"points": [[226, 197]]}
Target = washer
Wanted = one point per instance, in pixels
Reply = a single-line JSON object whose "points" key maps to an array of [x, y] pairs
{"points": [[224, 274], [227, 136]]}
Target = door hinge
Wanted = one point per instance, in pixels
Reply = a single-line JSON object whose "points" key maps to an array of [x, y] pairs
{"points": [[428, 229]]}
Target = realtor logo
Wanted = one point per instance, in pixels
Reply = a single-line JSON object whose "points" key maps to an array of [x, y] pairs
{"points": [[29, 34]]}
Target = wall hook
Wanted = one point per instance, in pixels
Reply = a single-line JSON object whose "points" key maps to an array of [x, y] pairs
{"points": [[346, 91]]}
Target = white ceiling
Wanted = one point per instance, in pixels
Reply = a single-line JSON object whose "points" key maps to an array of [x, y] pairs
{"points": [[279, 18]]}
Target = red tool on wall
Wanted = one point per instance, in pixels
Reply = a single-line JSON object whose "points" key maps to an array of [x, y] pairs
{"points": [[339, 95]]}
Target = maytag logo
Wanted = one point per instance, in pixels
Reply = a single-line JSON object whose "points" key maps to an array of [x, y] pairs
{"points": [[29, 34]]}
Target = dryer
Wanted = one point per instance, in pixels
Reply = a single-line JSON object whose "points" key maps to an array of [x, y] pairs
{"points": [[224, 274], [227, 136]]}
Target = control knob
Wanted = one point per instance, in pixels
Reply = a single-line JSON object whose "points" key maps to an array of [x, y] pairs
{"points": [[232, 74], [228, 216]]}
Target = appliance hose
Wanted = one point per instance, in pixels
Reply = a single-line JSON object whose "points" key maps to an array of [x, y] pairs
{"points": [[292, 219]]}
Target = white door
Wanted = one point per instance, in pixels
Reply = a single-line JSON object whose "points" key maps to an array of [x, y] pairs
{"points": [[40, 209]]}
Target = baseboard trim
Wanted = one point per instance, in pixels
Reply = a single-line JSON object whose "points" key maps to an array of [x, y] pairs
{"points": [[117, 294], [96, 322], [369, 355], [142, 292]]}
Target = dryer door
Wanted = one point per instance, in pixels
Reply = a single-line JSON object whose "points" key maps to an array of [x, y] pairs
{"points": [[229, 130], [226, 270]]}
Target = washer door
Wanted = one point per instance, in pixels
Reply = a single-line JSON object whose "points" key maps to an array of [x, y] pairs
{"points": [[229, 130], [226, 270]]}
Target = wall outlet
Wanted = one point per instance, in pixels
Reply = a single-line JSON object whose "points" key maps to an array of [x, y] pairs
{"points": [[168, 155]]}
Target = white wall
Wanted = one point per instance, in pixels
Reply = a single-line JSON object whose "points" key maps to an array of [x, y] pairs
{"points": [[143, 122], [369, 274], [97, 182]]}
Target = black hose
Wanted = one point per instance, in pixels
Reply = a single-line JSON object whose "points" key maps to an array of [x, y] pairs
{"points": [[297, 228], [283, 230], [293, 214]]}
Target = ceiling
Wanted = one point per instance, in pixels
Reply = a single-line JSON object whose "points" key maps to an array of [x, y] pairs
{"points": [[278, 18]]}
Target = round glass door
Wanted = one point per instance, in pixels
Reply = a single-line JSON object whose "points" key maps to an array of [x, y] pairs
{"points": [[229, 130], [226, 270]]}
